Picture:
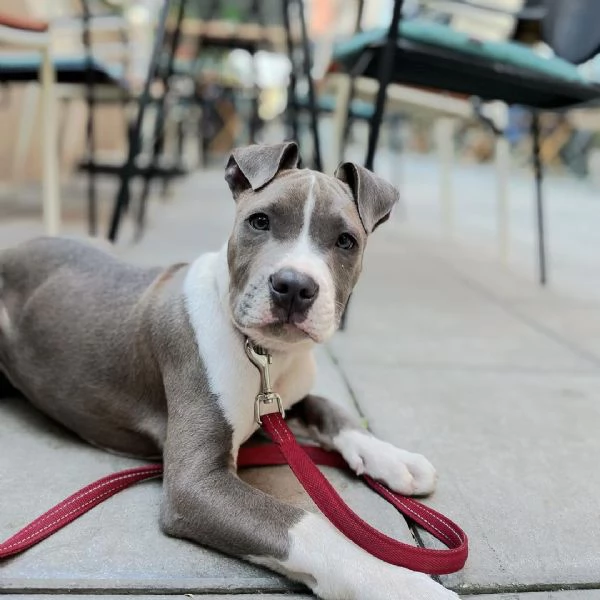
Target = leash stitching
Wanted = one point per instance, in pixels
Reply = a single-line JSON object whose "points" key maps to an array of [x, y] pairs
{"points": [[413, 512], [66, 515]]}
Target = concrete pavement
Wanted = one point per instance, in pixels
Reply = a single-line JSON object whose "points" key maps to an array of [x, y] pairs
{"points": [[447, 353]]}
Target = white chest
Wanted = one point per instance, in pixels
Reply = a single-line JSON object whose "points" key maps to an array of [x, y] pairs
{"points": [[231, 376]]}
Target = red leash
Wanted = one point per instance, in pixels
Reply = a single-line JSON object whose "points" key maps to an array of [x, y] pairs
{"points": [[300, 458]]}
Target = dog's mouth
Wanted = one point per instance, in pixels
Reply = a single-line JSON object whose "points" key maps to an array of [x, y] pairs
{"points": [[289, 328], [278, 331]]}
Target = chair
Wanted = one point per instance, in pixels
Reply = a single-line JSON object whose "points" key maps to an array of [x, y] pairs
{"points": [[80, 72], [432, 55], [34, 35]]}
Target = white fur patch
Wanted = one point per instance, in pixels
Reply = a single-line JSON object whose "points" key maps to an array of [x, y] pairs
{"points": [[231, 376], [404, 472], [336, 569], [306, 258]]}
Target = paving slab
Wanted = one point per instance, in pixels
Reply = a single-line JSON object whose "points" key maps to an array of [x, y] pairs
{"points": [[568, 315], [577, 325], [410, 309], [118, 546], [517, 458]]}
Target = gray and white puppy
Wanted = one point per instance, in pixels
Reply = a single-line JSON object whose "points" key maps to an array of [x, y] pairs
{"points": [[152, 363]]}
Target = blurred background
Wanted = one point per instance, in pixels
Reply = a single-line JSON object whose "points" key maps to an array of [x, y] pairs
{"points": [[473, 335], [481, 111]]}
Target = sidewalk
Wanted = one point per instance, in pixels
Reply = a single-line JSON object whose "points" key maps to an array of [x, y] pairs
{"points": [[447, 353]]}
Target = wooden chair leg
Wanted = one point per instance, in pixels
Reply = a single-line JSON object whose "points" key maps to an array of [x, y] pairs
{"points": [[50, 179]]}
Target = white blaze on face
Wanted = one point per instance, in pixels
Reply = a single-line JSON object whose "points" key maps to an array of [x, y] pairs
{"points": [[304, 256]]}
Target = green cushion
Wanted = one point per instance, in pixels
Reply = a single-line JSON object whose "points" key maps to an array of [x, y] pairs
{"points": [[359, 109], [442, 36]]}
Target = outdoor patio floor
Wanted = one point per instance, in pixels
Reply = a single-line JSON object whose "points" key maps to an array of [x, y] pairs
{"points": [[448, 353]]}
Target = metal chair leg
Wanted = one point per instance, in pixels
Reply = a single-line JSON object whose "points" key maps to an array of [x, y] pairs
{"points": [[539, 198], [90, 132], [159, 125], [292, 103], [122, 199], [312, 101], [386, 69], [385, 76]]}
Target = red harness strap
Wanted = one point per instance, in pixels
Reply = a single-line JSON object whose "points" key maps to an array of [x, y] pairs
{"points": [[302, 461]]}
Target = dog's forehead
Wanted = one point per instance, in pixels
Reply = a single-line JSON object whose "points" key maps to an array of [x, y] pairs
{"points": [[298, 195]]}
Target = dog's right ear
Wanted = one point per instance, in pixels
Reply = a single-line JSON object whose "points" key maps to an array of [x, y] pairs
{"points": [[252, 167]]}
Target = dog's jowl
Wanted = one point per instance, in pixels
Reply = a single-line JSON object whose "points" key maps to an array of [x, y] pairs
{"points": [[151, 362]]}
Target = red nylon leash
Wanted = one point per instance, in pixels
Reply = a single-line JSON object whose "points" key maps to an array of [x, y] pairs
{"points": [[300, 458]]}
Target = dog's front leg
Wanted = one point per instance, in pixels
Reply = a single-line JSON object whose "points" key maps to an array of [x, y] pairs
{"points": [[206, 502], [333, 427]]}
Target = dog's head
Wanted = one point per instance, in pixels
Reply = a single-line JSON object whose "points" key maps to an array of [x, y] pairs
{"points": [[296, 249]]}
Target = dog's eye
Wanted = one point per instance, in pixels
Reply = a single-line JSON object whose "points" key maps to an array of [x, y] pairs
{"points": [[259, 221], [345, 242]]}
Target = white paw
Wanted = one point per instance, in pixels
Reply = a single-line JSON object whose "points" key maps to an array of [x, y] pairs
{"points": [[380, 581], [402, 471], [422, 587], [337, 569]]}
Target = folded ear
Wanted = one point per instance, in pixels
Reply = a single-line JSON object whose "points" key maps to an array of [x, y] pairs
{"points": [[252, 167], [374, 196]]}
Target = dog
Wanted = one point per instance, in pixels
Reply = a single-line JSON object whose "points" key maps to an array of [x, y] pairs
{"points": [[151, 363]]}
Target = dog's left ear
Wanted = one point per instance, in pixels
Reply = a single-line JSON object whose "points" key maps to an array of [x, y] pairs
{"points": [[252, 167], [374, 196]]}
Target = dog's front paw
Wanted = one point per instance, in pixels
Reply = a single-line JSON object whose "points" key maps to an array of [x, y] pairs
{"points": [[404, 472]]}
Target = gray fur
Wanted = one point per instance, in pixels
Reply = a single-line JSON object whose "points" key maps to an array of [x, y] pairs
{"points": [[283, 200], [252, 167], [324, 418], [108, 350], [374, 197]]}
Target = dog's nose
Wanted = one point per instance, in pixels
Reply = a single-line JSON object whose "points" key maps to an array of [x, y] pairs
{"points": [[293, 291]]}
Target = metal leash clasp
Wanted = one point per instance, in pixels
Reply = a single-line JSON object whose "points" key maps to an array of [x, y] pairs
{"points": [[267, 401]]}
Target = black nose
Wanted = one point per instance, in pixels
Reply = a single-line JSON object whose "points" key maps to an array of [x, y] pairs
{"points": [[293, 291]]}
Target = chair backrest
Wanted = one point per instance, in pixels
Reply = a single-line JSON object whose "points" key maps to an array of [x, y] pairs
{"points": [[572, 28]]}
